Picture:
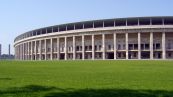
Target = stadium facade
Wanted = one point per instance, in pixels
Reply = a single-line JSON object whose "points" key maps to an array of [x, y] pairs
{"points": [[0, 50], [119, 38]]}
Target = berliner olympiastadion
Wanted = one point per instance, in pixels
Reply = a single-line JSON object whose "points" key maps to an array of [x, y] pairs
{"points": [[107, 39]]}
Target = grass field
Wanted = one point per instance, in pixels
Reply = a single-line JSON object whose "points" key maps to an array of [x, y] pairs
{"points": [[86, 78]]}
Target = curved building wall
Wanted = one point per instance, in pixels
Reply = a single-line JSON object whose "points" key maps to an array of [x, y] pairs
{"points": [[122, 38]]}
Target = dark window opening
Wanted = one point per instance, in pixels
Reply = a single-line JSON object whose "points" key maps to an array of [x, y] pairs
{"points": [[147, 46], [124, 54], [110, 55], [38, 32], [55, 29], [34, 33], [62, 28], [62, 56], [109, 23], [145, 55], [90, 47], [88, 25], [158, 46], [70, 27], [109, 47], [43, 31], [135, 46], [135, 54], [169, 55], [131, 22], [154, 46], [49, 30], [98, 24], [79, 26], [144, 21], [142, 46], [86, 48], [100, 47], [77, 48], [156, 21], [130, 47], [168, 21], [120, 22], [95, 47]]}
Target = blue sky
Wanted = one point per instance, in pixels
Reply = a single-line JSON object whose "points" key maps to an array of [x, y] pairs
{"points": [[19, 16]]}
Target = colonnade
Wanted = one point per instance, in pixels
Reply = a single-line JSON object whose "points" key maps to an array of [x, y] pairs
{"points": [[94, 46]]}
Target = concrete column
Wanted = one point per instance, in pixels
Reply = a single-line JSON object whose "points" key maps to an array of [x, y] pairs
{"points": [[18, 54], [51, 51], [115, 46], [83, 47], [26, 49], [58, 52], [45, 46], [35, 49], [151, 45], [127, 46], [93, 53], [163, 46], [31, 50], [139, 45], [28, 52], [23, 52], [103, 44], [19, 51], [15, 52], [65, 47], [74, 47], [40, 49]]}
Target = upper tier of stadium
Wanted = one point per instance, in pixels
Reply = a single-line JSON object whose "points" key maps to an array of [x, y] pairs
{"points": [[116, 22]]}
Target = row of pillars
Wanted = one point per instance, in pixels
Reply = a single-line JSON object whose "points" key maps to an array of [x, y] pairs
{"points": [[22, 51]]}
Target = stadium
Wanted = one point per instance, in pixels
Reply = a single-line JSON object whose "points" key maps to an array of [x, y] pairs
{"points": [[119, 38]]}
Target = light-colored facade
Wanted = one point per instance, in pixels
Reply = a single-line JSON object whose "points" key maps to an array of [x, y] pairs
{"points": [[0, 50], [122, 38]]}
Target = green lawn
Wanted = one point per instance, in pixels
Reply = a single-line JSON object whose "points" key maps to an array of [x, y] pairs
{"points": [[120, 78]]}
